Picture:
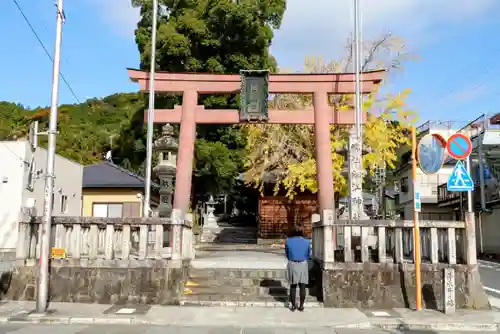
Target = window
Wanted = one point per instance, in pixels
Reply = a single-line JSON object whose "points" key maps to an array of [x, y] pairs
{"points": [[116, 210], [53, 201], [64, 204], [404, 185], [31, 175], [113, 210]]}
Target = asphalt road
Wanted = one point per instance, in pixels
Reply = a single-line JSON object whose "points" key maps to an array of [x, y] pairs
{"points": [[490, 277], [131, 329]]}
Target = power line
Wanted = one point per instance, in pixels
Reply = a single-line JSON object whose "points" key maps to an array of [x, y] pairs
{"points": [[14, 153], [44, 48]]}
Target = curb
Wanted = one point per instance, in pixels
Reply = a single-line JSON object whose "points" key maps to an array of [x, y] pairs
{"points": [[114, 320], [438, 327]]}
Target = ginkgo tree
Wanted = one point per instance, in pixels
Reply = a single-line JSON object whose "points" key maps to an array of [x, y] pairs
{"points": [[287, 151]]}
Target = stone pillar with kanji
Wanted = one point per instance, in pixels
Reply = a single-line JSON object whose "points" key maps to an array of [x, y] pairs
{"points": [[166, 147]]}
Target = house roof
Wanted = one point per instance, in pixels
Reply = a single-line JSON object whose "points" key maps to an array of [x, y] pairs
{"points": [[109, 175]]}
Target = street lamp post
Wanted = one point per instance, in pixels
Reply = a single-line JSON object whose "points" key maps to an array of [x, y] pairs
{"points": [[42, 296], [151, 110]]}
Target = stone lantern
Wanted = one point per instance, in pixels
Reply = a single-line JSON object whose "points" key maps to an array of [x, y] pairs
{"points": [[210, 228], [166, 146], [210, 220]]}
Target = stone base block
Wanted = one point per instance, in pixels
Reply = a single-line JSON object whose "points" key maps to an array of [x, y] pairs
{"points": [[210, 234], [154, 282], [386, 286]]}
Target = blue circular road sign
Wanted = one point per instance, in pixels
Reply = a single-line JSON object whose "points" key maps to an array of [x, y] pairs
{"points": [[459, 146], [431, 153]]}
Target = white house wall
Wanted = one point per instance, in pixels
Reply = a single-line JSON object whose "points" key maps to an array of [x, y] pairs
{"points": [[427, 184], [14, 187], [12, 170], [68, 182]]}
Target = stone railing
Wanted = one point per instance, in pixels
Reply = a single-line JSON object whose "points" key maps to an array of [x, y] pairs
{"points": [[391, 241], [94, 238]]}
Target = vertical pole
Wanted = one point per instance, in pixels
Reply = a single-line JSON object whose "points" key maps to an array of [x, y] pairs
{"points": [[151, 110], [357, 69], [356, 205], [416, 228], [481, 175], [42, 296], [469, 193]]}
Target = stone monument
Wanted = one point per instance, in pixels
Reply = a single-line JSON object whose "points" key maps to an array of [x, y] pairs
{"points": [[166, 146], [356, 209]]}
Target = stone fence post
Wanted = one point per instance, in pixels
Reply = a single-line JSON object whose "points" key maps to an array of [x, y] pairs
{"points": [[327, 219], [176, 233], [323, 238]]}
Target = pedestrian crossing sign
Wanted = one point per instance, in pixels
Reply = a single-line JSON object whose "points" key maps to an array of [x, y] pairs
{"points": [[460, 179]]}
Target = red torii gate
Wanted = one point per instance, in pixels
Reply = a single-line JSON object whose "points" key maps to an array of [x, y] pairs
{"points": [[190, 85]]}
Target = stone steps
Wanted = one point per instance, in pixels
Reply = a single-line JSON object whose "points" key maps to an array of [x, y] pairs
{"points": [[239, 287], [254, 303], [230, 273]]}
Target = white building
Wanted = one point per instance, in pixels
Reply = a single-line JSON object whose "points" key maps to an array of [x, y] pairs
{"points": [[22, 183], [428, 187]]}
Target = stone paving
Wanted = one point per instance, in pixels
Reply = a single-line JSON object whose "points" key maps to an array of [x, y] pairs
{"points": [[148, 329], [244, 320]]}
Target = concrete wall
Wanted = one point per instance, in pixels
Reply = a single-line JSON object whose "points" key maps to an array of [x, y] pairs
{"points": [[130, 282], [387, 286], [13, 170], [104, 195], [488, 231], [67, 184], [429, 212]]}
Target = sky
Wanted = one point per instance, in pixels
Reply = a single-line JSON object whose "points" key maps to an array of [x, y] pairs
{"points": [[452, 76]]}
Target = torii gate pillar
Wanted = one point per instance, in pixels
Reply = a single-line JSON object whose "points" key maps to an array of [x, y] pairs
{"points": [[185, 158], [324, 169]]}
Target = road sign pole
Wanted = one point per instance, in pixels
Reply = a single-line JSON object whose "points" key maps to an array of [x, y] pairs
{"points": [[416, 228], [469, 193]]}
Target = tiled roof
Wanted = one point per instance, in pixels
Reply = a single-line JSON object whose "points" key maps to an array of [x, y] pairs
{"points": [[109, 175]]}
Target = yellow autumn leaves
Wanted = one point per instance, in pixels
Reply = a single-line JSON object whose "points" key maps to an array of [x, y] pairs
{"points": [[285, 153]]}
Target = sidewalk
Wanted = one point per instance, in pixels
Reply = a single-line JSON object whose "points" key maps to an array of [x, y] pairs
{"points": [[250, 317]]}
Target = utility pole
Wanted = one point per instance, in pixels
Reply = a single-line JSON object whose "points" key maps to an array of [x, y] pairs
{"points": [[44, 234], [146, 208]]}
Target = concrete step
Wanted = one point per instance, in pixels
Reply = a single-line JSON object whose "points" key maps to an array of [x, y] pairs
{"points": [[230, 273], [237, 297], [245, 303], [235, 282], [239, 287], [245, 290]]}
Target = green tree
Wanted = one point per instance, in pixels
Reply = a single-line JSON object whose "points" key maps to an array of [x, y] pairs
{"points": [[211, 36]]}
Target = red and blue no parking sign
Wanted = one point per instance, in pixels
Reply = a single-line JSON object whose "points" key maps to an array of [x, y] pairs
{"points": [[459, 146]]}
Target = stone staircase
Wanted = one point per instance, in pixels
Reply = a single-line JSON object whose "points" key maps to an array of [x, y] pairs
{"points": [[240, 287], [236, 234]]}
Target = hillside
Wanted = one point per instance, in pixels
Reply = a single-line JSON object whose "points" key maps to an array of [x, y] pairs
{"points": [[88, 130], [85, 129]]}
